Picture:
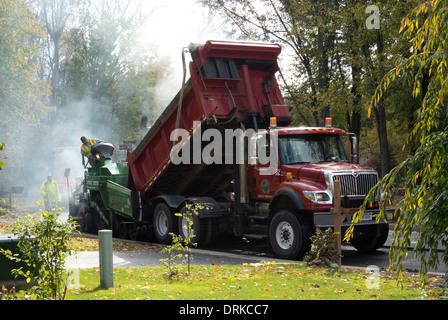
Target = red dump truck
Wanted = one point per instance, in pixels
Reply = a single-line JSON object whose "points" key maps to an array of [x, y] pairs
{"points": [[225, 145]]}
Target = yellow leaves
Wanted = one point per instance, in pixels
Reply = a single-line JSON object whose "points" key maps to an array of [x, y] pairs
{"points": [[422, 8], [83, 244], [420, 201], [416, 91]]}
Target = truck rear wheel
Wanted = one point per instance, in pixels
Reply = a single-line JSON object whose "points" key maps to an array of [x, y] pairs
{"points": [[202, 231], [289, 235], [163, 223]]}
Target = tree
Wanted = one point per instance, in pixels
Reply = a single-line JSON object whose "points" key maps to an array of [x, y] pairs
{"points": [[338, 61], [2, 147], [425, 173], [113, 74], [22, 96], [56, 17]]}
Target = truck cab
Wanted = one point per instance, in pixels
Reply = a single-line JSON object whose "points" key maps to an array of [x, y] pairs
{"points": [[292, 170]]}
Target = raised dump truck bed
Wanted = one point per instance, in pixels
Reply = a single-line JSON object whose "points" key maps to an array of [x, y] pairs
{"points": [[230, 83]]}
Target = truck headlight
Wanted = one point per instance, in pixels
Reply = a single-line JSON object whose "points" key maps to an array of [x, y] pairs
{"points": [[329, 182], [322, 197]]}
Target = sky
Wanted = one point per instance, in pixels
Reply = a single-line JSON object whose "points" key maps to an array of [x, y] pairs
{"points": [[176, 23]]}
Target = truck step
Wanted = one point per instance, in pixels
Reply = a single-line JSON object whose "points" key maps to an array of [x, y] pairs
{"points": [[255, 236], [262, 218]]}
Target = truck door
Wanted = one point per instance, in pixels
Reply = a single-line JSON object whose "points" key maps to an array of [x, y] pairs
{"points": [[264, 175]]}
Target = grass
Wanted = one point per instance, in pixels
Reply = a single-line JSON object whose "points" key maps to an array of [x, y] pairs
{"points": [[262, 281], [266, 281]]}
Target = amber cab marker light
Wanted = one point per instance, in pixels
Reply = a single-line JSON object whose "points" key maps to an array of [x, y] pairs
{"points": [[288, 175]]}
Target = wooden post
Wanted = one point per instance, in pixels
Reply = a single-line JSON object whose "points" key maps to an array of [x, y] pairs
{"points": [[339, 214]]}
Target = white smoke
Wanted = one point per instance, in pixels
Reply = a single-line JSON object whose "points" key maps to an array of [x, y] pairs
{"points": [[173, 25], [53, 145]]}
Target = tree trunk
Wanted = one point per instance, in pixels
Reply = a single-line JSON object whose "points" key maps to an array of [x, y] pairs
{"points": [[354, 120], [55, 71], [380, 118], [322, 76]]}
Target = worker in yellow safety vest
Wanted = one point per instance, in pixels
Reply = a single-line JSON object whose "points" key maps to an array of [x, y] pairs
{"points": [[50, 192], [86, 148]]}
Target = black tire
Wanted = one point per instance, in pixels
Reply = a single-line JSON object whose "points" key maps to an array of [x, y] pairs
{"points": [[371, 237], [123, 230], [204, 231], [88, 223], [164, 223], [383, 233], [133, 233], [289, 235]]}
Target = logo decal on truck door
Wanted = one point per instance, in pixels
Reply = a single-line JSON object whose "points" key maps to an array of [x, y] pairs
{"points": [[265, 186]]}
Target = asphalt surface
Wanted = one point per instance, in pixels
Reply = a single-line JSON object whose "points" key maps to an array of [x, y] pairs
{"points": [[240, 252]]}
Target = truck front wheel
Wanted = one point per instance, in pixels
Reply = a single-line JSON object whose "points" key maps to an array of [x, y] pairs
{"points": [[289, 235], [164, 224], [370, 237]]}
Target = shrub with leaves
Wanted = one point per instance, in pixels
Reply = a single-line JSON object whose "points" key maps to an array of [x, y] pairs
{"points": [[44, 245], [174, 254], [184, 241], [323, 249], [2, 148]]}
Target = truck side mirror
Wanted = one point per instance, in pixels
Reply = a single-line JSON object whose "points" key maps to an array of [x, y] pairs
{"points": [[253, 155], [354, 140]]}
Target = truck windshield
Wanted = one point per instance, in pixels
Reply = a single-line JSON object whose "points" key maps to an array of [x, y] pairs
{"points": [[311, 148]]}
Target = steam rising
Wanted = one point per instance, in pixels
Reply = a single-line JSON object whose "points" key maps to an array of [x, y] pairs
{"points": [[52, 144], [174, 25]]}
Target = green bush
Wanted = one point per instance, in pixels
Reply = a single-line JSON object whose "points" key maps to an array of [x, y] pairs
{"points": [[323, 249], [5, 207], [44, 245]]}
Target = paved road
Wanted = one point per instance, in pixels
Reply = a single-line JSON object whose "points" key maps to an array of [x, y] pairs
{"points": [[237, 252], [152, 258]]}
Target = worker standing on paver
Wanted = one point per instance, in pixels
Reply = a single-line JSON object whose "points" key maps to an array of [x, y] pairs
{"points": [[86, 148]]}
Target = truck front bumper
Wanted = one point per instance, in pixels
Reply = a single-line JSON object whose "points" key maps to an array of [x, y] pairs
{"points": [[326, 219]]}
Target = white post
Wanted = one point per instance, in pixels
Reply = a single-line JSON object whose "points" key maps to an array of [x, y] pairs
{"points": [[106, 259]]}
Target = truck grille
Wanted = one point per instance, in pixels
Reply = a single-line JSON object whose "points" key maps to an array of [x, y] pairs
{"points": [[358, 185]]}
